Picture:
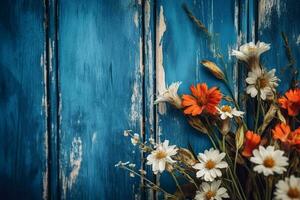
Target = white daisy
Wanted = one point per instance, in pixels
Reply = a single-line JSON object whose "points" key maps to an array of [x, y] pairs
{"points": [[269, 160], [259, 80], [288, 189], [226, 111], [251, 52], [135, 139], [211, 191], [160, 156], [170, 95], [210, 164]]}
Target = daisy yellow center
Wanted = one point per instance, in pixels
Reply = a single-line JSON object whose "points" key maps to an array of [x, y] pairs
{"points": [[226, 109], [161, 155], [210, 164], [293, 193], [262, 82], [209, 195], [269, 162]]}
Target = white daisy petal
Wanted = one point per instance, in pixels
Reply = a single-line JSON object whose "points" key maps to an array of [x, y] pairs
{"points": [[269, 161], [210, 164], [161, 156], [288, 189], [212, 191], [263, 82]]}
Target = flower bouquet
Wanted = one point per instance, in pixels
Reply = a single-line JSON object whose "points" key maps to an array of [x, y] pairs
{"points": [[257, 161]]}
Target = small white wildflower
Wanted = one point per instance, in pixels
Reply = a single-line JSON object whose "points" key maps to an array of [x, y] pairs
{"points": [[132, 165], [160, 156], [126, 133], [250, 53], [210, 164], [211, 191], [170, 95], [288, 189], [269, 161], [263, 82], [226, 111]]}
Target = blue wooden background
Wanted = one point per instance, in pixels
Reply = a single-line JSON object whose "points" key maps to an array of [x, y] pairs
{"points": [[74, 74]]}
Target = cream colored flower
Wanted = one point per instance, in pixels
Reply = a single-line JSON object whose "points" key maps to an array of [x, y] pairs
{"points": [[170, 95], [263, 82], [161, 156], [211, 191], [269, 161], [251, 52], [226, 111], [210, 164], [288, 189]]}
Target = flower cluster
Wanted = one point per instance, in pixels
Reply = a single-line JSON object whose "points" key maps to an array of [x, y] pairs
{"points": [[256, 160]]}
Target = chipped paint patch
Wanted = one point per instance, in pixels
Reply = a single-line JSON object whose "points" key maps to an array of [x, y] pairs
{"points": [[236, 16], [160, 72], [45, 173], [136, 97], [94, 137], [136, 19], [265, 9], [75, 160]]}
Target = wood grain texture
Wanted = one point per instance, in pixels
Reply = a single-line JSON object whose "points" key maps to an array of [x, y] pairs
{"points": [[74, 74], [23, 101], [275, 17], [101, 81], [180, 46]]}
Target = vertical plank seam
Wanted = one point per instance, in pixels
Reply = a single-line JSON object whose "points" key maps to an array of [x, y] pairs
{"points": [[48, 105], [155, 116], [143, 128], [58, 100]]}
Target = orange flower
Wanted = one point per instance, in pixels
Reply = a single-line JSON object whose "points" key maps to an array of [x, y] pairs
{"points": [[291, 102], [202, 100], [284, 133], [252, 142], [281, 132], [296, 138]]}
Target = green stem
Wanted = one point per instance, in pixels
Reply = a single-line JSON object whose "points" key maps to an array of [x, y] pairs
{"points": [[257, 112], [224, 143], [234, 100], [177, 184], [150, 182], [241, 194], [186, 175], [235, 160]]}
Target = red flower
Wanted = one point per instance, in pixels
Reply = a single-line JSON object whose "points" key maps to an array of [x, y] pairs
{"points": [[291, 102], [252, 142], [202, 100]]}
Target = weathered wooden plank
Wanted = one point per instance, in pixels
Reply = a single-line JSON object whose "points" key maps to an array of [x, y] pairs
{"points": [[180, 47], [274, 17], [101, 80], [149, 77], [53, 98], [23, 100]]}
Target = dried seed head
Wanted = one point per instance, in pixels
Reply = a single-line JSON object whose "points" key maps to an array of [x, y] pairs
{"points": [[214, 69]]}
